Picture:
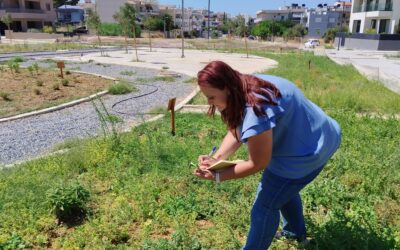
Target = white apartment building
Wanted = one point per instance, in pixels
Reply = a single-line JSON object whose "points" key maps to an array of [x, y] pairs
{"points": [[27, 14], [381, 16]]}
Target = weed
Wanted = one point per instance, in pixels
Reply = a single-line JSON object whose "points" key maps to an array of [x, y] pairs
{"points": [[18, 59], [5, 96], [39, 83], [67, 72], [30, 69], [127, 73], [65, 82], [37, 92], [56, 86], [165, 67], [36, 67], [68, 203], [121, 87], [165, 78]]}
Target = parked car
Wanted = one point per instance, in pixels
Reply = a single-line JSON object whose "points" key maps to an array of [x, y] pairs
{"points": [[81, 30], [311, 43], [251, 37]]}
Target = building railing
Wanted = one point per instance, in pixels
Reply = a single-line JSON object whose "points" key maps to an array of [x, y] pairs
{"points": [[373, 7], [20, 10]]}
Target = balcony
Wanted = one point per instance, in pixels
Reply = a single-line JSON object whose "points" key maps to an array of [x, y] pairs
{"points": [[20, 10], [373, 7]]}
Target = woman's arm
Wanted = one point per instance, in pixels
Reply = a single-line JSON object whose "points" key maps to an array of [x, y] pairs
{"points": [[228, 146]]}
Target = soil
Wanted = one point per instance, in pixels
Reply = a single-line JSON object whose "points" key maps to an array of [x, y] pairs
{"points": [[25, 91]]}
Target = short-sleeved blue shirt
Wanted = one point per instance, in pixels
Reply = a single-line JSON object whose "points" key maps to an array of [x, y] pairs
{"points": [[304, 137]]}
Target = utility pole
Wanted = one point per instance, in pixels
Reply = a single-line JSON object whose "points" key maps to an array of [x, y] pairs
{"points": [[341, 23], [183, 43], [208, 21]]}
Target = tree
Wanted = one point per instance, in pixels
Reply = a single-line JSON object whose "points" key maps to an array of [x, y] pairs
{"points": [[152, 23], [128, 17], [242, 31], [94, 22], [58, 3], [7, 19]]}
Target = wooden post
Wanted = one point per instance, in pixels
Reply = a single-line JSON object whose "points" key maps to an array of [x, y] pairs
{"points": [[171, 107], [309, 65], [61, 65]]}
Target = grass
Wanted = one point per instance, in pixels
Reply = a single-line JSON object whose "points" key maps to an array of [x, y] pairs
{"points": [[144, 196], [121, 87], [6, 48]]}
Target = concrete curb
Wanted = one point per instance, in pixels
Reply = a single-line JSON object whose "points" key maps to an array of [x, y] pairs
{"points": [[61, 106]]}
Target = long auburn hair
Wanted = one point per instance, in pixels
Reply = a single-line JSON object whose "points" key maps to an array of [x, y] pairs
{"points": [[242, 90]]}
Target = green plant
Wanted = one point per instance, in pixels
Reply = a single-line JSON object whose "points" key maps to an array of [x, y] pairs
{"points": [[69, 203], [127, 73], [165, 78], [36, 67], [56, 86], [5, 96], [48, 29], [65, 82], [121, 87], [14, 242], [39, 83], [67, 72], [30, 69]]}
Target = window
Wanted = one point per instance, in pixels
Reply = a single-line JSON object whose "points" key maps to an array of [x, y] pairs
{"points": [[373, 24], [318, 19], [332, 20]]}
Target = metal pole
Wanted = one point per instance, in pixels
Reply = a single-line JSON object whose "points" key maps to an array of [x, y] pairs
{"points": [[208, 21], [341, 23], [183, 43]]}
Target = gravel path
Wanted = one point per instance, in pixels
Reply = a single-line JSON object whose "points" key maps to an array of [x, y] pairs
{"points": [[29, 137]]}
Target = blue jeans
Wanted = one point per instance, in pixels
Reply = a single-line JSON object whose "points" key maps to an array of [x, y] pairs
{"points": [[277, 194]]}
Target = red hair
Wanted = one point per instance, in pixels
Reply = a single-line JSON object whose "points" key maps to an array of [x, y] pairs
{"points": [[242, 90]]}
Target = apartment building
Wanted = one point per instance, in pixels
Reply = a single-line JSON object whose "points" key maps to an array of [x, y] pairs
{"points": [[325, 17], [375, 16], [107, 8], [27, 14], [295, 13]]}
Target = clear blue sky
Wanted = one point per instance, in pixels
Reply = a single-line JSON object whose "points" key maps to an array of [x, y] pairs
{"points": [[234, 7]]}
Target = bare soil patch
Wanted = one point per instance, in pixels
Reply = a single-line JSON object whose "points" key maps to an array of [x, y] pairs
{"points": [[27, 91]]}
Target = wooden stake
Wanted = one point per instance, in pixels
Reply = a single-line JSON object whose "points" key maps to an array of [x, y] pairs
{"points": [[61, 65], [171, 107]]}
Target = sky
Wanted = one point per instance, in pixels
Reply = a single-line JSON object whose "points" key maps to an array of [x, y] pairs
{"points": [[235, 7]]}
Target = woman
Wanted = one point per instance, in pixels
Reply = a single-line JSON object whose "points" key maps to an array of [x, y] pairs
{"points": [[287, 136]]}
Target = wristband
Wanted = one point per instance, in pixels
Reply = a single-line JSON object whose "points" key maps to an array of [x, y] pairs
{"points": [[217, 180]]}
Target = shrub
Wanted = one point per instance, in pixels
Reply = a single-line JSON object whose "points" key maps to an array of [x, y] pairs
{"points": [[39, 83], [69, 203], [36, 91], [36, 67], [64, 82], [5, 96], [56, 86], [121, 88], [48, 29], [68, 72]]}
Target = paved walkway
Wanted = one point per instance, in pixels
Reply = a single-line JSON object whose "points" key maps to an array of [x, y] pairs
{"points": [[378, 65], [26, 138], [171, 58]]}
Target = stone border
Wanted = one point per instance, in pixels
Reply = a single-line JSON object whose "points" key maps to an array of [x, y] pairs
{"points": [[61, 106]]}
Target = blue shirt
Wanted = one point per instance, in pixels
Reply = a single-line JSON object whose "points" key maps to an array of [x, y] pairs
{"points": [[304, 137]]}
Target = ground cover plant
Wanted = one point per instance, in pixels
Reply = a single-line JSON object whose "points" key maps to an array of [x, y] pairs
{"points": [[143, 194], [32, 88]]}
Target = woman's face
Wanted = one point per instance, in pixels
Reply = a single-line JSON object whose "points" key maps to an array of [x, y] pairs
{"points": [[216, 97]]}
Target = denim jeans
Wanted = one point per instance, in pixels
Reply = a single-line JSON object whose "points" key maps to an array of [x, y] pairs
{"points": [[277, 194]]}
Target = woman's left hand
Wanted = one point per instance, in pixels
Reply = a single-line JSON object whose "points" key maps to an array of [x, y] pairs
{"points": [[204, 174]]}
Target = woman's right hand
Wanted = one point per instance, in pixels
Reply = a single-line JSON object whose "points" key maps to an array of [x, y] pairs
{"points": [[204, 161]]}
